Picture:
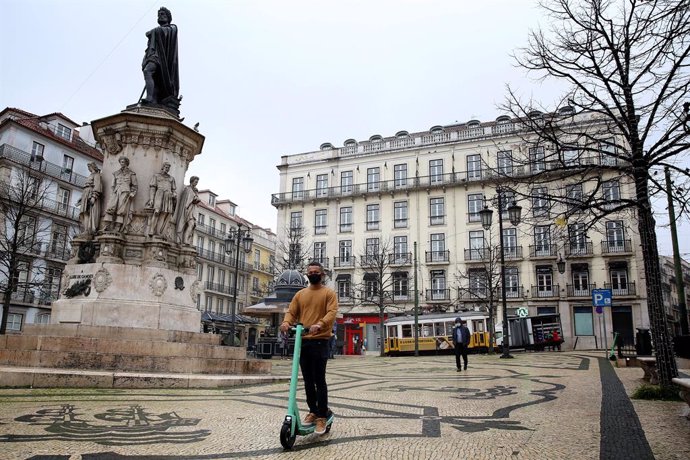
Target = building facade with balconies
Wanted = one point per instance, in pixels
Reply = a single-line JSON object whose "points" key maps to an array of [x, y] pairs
{"points": [[219, 284], [669, 284], [428, 188], [53, 151]]}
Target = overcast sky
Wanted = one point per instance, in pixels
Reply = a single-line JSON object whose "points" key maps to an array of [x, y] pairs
{"points": [[266, 78]]}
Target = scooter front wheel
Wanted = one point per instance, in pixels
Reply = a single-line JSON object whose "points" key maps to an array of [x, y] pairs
{"points": [[287, 437]]}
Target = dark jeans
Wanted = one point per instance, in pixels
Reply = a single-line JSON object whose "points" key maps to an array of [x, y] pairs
{"points": [[460, 349], [313, 360]]}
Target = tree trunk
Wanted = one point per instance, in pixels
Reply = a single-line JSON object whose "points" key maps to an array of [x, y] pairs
{"points": [[665, 361], [491, 328], [382, 331], [6, 300]]}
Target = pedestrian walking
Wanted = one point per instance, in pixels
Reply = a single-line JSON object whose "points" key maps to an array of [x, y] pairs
{"points": [[283, 339], [461, 341]]}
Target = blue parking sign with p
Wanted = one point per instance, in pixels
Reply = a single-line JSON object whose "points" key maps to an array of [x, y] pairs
{"points": [[601, 297]]}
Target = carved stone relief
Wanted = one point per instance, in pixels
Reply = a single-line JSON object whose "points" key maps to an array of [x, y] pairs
{"points": [[133, 254], [65, 280], [102, 279], [158, 254], [194, 290], [113, 142], [110, 250], [137, 225], [158, 284]]}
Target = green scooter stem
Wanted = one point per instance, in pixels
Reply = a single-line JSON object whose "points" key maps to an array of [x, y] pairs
{"points": [[292, 400]]}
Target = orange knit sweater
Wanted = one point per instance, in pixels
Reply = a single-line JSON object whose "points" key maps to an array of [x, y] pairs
{"points": [[314, 305]]}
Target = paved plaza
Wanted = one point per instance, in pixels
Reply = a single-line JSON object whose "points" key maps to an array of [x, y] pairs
{"points": [[569, 405]]}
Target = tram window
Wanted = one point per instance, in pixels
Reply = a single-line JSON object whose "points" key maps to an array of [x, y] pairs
{"points": [[407, 330], [478, 326], [392, 331], [439, 329], [427, 330], [449, 327]]}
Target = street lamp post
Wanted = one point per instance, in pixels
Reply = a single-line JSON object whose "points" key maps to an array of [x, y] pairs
{"points": [[514, 215], [238, 235]]}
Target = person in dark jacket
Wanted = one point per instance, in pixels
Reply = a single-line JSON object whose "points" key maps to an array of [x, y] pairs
{"points": [[461, 341]]}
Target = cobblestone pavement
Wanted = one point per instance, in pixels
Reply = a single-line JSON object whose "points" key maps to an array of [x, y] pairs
{"points": [[536, 406]]}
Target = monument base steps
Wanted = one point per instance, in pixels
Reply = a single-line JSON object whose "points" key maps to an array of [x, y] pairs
{"points": [[119, 355], [25, 377]]}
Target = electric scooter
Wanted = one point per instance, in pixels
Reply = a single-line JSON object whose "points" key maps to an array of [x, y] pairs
{"points": [[292, 425]]}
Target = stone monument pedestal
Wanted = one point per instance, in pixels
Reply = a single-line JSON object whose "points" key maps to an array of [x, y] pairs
{"points": [[129, 292], [126, 274], [131, 296]]}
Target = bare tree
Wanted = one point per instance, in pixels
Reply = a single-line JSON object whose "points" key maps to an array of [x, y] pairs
{"points": [[23, 198], [619, 123], [294, 252], [382, 286]]}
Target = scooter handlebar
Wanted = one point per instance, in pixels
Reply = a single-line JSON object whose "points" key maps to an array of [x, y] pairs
{"points": [[305, 329]]}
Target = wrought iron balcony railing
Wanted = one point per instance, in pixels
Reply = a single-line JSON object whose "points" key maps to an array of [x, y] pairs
{"points": [[344, 262], [616, 247], [579, 249], [437, 295], [541, 292], [580, 290], [622, 289], [543, 250], [38, 164], [438, 256]]}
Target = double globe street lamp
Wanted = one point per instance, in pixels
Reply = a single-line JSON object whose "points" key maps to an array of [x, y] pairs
{"points": [[238, 235], [486, 214]]}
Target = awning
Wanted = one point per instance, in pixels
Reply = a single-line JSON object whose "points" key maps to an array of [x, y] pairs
{"points": [[264, 309], [343, 277], [209, 317], [362, 310], [370, 276]]}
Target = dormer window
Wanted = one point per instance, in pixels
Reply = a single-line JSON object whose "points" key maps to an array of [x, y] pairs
{"points": [[503, 119], [473, 124], [375, 138], [350, 146], [212, 201], [64, 132], [402, 134], [326, 146], [436, 129], [566, 110]]}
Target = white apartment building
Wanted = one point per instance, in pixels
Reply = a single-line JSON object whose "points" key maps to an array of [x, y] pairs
{"points": [[216, 269], [52, 149], [428, 188]]}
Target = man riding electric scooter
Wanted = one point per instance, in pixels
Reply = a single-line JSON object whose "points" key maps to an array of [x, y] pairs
{"points": [[316, 308]]}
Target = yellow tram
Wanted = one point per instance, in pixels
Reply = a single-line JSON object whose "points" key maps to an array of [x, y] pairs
{"points": [[435, 332]]}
